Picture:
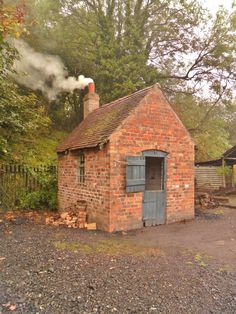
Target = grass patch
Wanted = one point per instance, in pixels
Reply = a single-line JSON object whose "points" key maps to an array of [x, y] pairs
{"points": [[199, 260], [109, 247], [124, 247], [224, 269], [73, 246], [70, 246]]}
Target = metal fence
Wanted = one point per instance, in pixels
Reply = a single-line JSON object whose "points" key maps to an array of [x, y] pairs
{"points": [[16, 180]]}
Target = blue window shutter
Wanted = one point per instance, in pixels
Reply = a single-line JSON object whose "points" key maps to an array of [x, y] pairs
{"points": [[135, 174]]}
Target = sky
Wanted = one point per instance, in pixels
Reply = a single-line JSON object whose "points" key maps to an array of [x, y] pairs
{"points": [[213, 5]]}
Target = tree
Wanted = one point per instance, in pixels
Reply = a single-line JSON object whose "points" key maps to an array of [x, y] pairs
{"points": [[174, 42], [21, 117], [127, 45], [211, 136]]}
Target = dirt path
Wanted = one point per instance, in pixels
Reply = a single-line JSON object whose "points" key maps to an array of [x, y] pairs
{"points": [[179, 268], [214, 236]]}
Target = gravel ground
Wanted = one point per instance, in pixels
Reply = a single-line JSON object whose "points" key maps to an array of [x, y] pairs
{"points": [[46, 269]]}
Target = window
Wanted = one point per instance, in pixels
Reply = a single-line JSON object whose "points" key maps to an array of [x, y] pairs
{"points": [[80, 168]]}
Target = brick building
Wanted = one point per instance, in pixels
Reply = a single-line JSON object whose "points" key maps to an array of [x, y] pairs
{"points": [[130, 162]]}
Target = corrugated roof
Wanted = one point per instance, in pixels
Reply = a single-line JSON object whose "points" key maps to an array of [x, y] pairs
{"points": [[101, 123], [230, 152]]}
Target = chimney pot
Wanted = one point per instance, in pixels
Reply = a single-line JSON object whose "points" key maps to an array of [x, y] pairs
{"points": [[91, 87]]}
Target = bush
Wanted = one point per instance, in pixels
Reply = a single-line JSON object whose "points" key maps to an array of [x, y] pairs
{"points": [[227, 171], [45, 196]]}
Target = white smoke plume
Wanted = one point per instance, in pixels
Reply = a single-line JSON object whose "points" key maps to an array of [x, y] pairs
{"points": [[44, 72]]}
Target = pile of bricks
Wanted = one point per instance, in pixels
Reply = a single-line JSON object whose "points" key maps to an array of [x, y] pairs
{"points": [[75, 217], [71, 220]]}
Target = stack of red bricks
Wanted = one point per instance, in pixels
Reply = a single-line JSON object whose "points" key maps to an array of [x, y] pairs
{"points": [[73, 218]]}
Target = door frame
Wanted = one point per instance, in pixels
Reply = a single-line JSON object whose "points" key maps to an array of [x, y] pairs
{"points": [[160, 154]]}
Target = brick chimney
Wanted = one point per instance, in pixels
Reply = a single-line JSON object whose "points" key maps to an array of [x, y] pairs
{"points": [[91, 100]]}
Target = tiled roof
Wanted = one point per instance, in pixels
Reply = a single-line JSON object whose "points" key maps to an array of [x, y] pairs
{"points": [[101, 123]]}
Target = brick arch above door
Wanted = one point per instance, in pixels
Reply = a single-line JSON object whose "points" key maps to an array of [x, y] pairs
{"points": [[154, 153]]}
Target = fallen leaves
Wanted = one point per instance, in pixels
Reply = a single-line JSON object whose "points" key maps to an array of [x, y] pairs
{"points": [[9, 216], [9, 306], [76, 218], [12, 307]]}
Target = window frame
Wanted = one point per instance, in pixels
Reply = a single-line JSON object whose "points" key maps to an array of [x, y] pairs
{"points": [[80, 176]]}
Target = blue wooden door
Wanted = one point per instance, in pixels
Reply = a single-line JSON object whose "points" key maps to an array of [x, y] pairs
{"points": [[154, 196], [147, 174], [154, 208]]}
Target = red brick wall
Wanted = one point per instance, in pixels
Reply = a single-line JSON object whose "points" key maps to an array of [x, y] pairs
{"points": [[152, 126], [95, 190]]}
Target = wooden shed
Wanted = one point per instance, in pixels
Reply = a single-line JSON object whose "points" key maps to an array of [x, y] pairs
{"points": [[216, 174]]}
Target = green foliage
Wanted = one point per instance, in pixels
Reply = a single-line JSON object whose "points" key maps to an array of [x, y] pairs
{"points": [[23, 124], [44, 197], [127, 45], [22, 117], [210, 135], [39, 150], [11, 26], [211, 143], [12, 189], [124, 46], [227, 171]]}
